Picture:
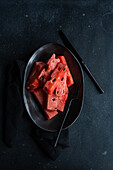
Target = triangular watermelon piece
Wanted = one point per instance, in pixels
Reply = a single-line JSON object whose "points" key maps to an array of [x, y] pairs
{"points": [[52, 62], [52, 102], [61, 102], [41, 96], [33, 82], [69, 76], [56, 76], [62, 88], [46, 72]]}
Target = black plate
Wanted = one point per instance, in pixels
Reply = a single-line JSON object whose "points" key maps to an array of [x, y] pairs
{"points": [[33, 108]]}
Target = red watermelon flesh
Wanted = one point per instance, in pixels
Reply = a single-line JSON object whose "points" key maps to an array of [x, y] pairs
{"points": [[46, 72], [52, 62], [62, 88], [52, 102], [50, 113], [33, 82], [44, 75], [32, 85], [56, 76], [38, 66], [40, 95], [69, 76], [61, 102]]}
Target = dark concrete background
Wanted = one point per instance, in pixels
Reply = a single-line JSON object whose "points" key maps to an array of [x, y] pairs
{"points": [[27, 25]]}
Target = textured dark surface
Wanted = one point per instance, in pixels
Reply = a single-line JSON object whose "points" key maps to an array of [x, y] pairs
{"points": [[27, 25]]}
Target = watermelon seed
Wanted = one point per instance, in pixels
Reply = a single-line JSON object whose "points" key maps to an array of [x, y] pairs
{"points": [[53, 80], [55, 107], [46, 68], [50, 78], [45, 88], [42, 77], [64, 69], [34, 74], [59, 68], [53, 99], [62, 79], [57, 92], [31, 86]]}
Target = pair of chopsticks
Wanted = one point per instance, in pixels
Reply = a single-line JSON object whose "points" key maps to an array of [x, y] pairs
{"points": [[84, 66]]}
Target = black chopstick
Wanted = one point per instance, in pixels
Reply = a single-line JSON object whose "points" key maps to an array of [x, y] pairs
{"points": [[59, 132], [72, 49]]}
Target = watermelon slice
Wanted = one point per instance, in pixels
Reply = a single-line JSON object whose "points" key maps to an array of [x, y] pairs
{"points": [[56, 76], [50, 113], [38, 66], [52, 102], [69, 76], [40, 95], [46, 72], [62, 88], [42, 78], [61, 102], [33, 82], [52, 62]]}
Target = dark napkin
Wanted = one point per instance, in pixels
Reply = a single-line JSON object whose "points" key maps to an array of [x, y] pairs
{"points": [[14, 117]]}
